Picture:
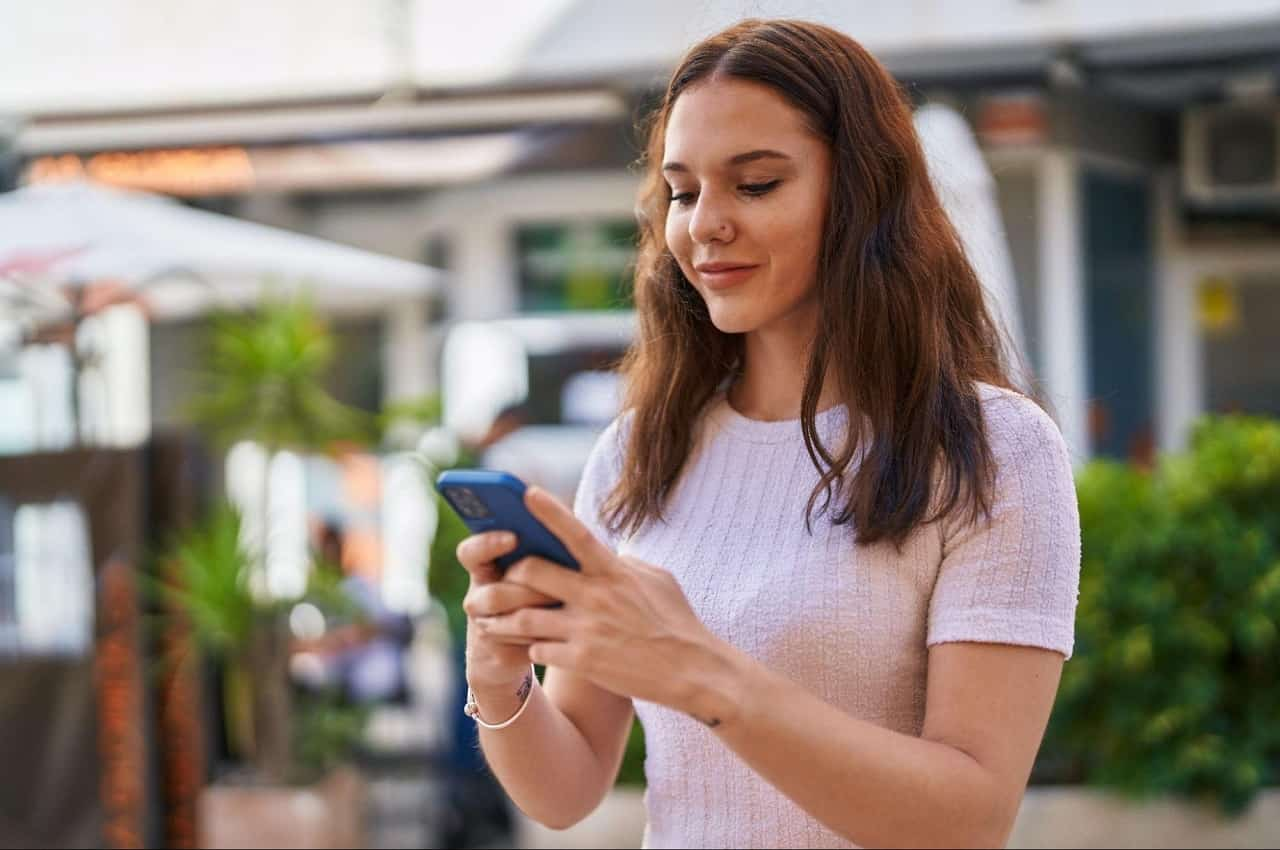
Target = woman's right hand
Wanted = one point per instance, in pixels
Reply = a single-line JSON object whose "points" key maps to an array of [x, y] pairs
{"points": [[492, 665]]}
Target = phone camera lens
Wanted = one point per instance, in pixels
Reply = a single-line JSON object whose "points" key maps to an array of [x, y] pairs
{"points": [[468, 504]]}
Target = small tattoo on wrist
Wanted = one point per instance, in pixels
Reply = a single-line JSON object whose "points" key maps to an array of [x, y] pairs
{"points": [[525, 686]]}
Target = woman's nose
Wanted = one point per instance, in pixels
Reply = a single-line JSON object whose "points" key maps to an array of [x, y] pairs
{"points": [[710, 221]]}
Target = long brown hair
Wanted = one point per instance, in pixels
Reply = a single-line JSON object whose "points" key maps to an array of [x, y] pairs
{"points": [[903, 327]]}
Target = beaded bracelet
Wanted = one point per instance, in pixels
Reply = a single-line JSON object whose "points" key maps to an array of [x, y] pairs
{"points": [[472, 709]]}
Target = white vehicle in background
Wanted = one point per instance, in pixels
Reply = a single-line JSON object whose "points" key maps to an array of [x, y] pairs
{"points": [[550, 376]]}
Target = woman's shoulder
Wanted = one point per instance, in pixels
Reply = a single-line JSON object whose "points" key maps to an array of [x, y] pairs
{"points": [[615, 435], [1017, 427], [609, 449]]}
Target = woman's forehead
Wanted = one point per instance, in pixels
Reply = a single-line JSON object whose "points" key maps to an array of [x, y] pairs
{"points": [[714, 121]]}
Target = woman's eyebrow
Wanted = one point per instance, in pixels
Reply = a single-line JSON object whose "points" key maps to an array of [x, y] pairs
{"points": [[740, 159]]}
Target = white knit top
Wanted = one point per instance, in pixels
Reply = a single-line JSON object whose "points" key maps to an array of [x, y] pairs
{"points": [[851, 624]]}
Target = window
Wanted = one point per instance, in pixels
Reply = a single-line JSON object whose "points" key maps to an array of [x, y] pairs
{"points": [[46, 580], [583, 265]]}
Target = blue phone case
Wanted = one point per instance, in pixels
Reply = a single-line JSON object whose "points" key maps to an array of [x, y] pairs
{"points": [[502, 496]]}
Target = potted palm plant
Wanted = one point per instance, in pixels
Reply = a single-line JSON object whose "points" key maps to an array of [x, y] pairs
{"points": [[264, 383]]}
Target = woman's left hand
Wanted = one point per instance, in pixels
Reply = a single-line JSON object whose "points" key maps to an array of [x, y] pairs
{"points": [[625, 625]]}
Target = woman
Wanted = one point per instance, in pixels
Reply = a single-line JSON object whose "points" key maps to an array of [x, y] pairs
{"points": [[828, 556]]}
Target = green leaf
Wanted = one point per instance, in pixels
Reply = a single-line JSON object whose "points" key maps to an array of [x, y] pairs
{"points": [[264, 381], [209, 583]]}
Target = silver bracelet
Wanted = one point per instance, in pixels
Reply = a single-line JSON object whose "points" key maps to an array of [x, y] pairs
{"points": [[472, 709]]}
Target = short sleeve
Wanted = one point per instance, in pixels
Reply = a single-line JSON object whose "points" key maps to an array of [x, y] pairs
{"points": [[1014, 578], [600, 474]]}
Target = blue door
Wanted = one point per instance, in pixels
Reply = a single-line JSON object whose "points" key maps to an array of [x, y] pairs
{"points": [[1121, 313]]}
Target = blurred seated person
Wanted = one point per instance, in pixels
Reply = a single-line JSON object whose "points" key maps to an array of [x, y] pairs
{"points": [[363, 653]]}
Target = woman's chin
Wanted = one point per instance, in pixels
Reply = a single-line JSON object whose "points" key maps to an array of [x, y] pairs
{"points": [[731, 322]]}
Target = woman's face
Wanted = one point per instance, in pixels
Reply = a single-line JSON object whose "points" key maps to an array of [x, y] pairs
{"points": [[749, 186]]}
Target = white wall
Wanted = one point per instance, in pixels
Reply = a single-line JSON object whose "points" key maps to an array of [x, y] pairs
{"points": [[1179, 359], [479, 222], [1064, 364], [1181, 265]]}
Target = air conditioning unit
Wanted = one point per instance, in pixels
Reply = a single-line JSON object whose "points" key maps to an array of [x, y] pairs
{"points": [[1231, 154]]}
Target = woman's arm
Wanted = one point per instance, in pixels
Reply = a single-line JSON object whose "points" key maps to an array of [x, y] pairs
{"points": [[958, 785], [562, 756]]}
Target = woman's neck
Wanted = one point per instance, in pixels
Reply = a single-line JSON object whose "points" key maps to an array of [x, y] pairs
{"points": [[771, 384]]}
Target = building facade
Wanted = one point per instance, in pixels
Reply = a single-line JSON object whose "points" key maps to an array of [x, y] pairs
{"points": [[1133, 148]]}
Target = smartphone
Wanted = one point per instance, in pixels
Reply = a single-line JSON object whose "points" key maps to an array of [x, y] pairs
{"points": [[489, 500]]}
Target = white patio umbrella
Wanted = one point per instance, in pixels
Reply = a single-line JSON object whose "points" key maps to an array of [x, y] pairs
{"points": [[185, 261], [967, 190]]}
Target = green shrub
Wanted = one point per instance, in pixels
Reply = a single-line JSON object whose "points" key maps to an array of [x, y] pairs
{"points": [[1173, 687]]}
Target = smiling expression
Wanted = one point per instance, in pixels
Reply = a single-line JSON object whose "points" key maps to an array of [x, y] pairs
{"points": [[749, 187]]}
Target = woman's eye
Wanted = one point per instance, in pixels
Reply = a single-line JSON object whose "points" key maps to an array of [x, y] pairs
{"points": [[754, 190], [757, 189]]}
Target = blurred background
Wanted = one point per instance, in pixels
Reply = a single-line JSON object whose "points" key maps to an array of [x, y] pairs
{"points": [[266, 268]]}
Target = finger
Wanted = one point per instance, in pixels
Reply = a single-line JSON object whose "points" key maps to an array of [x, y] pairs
{"points": [[510, 640], [478, 552], [502, 597], [530, 623], [547, 578], [633, 561], [647, 568], [554, 654], [592, 555]]}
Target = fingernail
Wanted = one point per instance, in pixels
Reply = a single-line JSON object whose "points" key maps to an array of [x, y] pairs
{"points": [[506, 538]]}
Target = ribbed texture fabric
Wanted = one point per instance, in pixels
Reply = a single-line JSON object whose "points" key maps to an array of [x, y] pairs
{"points": [[851, 624]]}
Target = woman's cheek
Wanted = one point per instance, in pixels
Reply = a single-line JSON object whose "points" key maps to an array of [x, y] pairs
{"points": [[677, 243]]}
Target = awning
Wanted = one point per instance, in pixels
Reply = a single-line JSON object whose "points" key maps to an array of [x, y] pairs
{"points": [[330, 122]]}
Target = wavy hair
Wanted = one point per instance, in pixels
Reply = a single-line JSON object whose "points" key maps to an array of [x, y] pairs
{"points": [[903, 330]]}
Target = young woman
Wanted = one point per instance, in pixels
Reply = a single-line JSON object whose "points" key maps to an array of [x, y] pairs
{"points": [[828, 556]]}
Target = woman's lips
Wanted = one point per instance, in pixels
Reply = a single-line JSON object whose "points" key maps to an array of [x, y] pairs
{"points": [[724, 278]]}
